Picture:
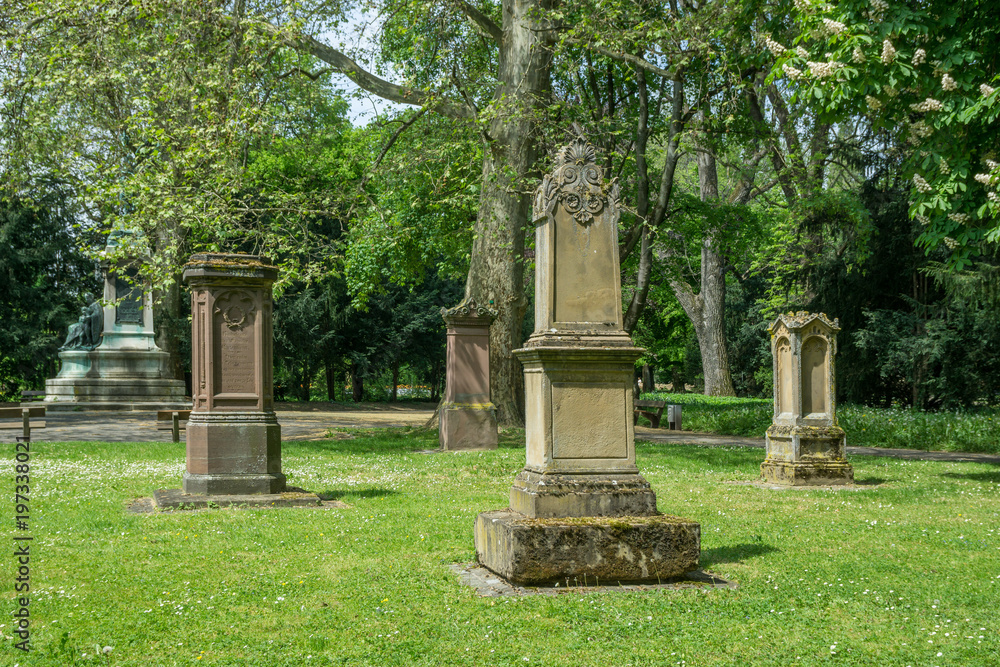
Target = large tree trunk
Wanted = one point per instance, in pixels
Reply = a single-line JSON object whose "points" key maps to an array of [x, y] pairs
{"points": [[496, 270], [707, 308]]}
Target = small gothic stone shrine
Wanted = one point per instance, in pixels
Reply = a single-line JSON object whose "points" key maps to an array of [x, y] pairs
{"points": [[804, 444], [110, 356], [580, 510], [468, 418], [233, 436]]}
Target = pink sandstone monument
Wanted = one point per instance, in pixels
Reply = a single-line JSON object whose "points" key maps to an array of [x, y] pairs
{"points": [[580, 509], [468, 418]]}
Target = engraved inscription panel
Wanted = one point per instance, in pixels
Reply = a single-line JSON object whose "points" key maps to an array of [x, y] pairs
{"points": [[585, 275], [814, 376], [129, 308], [235, 356], [589, 421]]}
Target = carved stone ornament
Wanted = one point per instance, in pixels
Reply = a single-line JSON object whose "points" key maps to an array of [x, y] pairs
{"points": [[801, 319], [469, 308], [576, 182], [236, 307]]}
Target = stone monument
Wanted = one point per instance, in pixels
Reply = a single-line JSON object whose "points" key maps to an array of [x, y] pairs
{"points": [[805, 447], [110, 356], [468, 418], [233, 436], [580, 510]]}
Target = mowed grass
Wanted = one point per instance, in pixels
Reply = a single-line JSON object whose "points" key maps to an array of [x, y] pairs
{"points": [[903, 428], [904, 570]]}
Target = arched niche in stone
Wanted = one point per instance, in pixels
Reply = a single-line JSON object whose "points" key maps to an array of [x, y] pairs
{"points": [[815, 378]]}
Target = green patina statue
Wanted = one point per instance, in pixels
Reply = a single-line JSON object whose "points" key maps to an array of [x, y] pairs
{"points": [[85, 333]]}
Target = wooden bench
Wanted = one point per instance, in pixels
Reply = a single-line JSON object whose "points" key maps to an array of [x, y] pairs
{"points": [[32, 396], [177, 420], [653, 411], [23, 417]]}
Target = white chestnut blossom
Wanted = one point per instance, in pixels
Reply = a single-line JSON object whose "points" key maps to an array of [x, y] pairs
{"points": [[873, 103], [921, 184], [919, 130], [982, 178], [948, 83], [835, 27], [922, 219], [791, 72], [888, 52], [929, 104], [802, 53], [823, 70], [960, 218], [774, 47], [993, 197], [944, 167], [890, 91], [919, 56], [858, 55], [950, 242], [880, 6], [986, 90]]}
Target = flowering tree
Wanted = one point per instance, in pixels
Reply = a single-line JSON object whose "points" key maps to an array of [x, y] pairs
{"points": [[926, 74]]}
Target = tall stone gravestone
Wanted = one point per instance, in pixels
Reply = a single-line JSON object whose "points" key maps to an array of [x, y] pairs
{"points": [[233, 435], [468, 418], [110, 355], [580, 510], [804, 444]]}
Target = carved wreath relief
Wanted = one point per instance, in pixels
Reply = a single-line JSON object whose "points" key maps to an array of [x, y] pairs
{"points": [[236, 307], [577, 183]]}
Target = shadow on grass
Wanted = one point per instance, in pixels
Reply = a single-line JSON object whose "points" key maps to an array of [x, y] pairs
{"points": [[992, 477], [870, 481], [735, 553], [340, 494], [703, 455], [368, 441]]}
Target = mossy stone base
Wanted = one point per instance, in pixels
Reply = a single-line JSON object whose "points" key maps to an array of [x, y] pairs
{"points": [[807, 473], [532, 552], [537, 495]]}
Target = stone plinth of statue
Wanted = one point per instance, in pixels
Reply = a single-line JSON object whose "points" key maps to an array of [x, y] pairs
{"points": [[580, 510], [468, 418], [233, 436], [805, 447], [110, 356]]}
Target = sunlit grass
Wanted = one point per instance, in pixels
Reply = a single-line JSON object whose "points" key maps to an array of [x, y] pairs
{"points": [[946, 430], [901, 570]]}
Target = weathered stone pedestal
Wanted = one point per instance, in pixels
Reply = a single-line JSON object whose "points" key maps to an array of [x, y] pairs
{"points": [[233, 436], [805, 447], [116, 360], [468, 418], [580, 510]]}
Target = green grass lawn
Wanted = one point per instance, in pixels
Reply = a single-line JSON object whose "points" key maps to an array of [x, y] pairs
{"points": [[948, 431], [904, 570]]}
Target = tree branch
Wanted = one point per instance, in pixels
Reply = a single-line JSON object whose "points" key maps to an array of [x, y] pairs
{"points": [[366, 80], [641, 63], [483, 24]]}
